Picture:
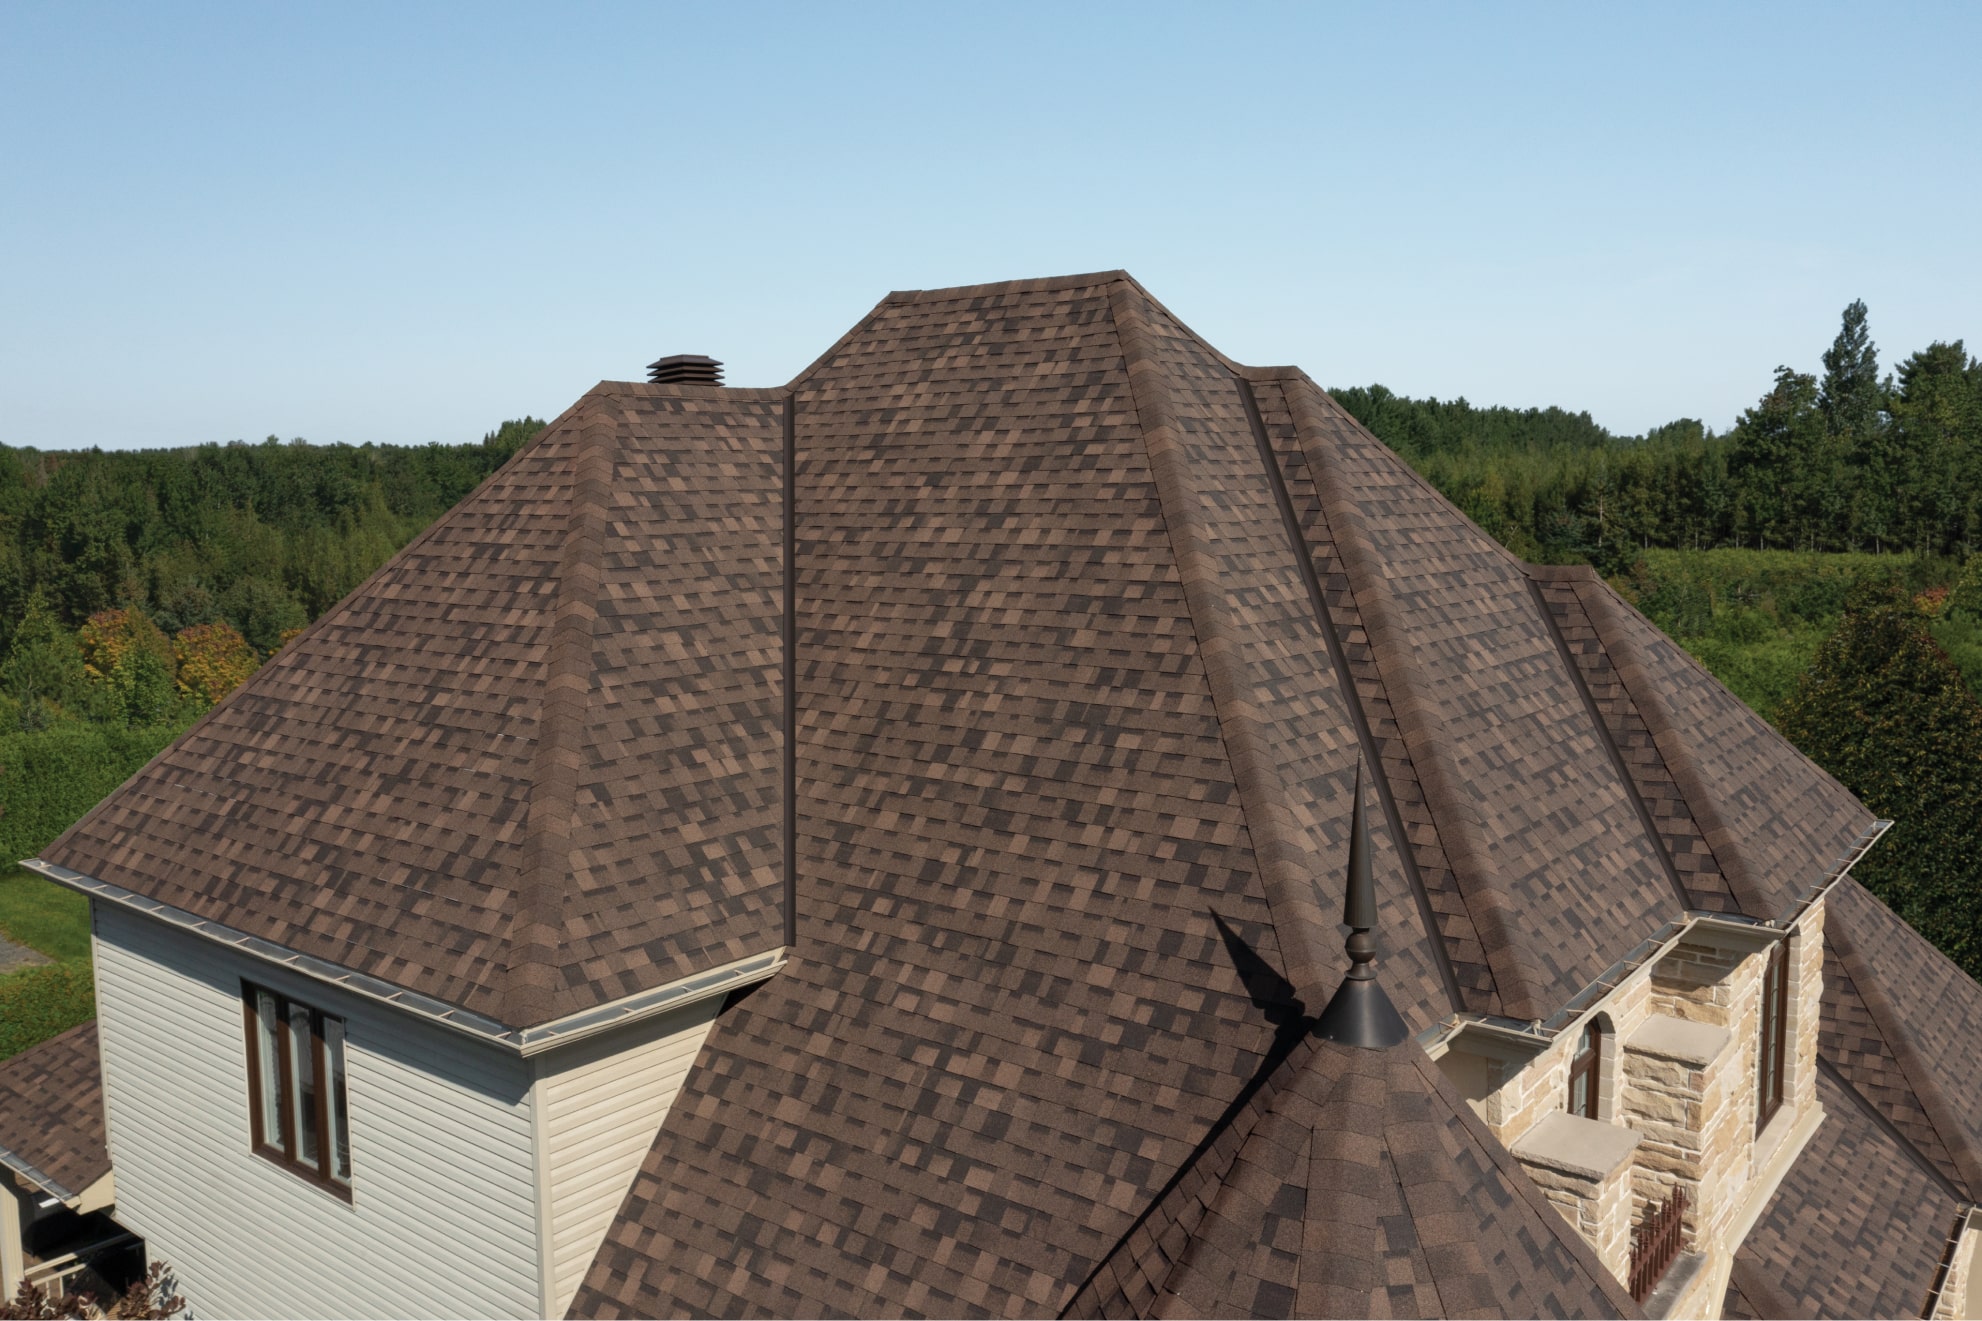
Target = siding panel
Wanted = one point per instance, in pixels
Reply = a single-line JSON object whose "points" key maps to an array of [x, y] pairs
{"points": [[603, 1102], [443, 1216]]}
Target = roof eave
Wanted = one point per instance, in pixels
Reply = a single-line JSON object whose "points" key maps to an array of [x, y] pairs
{"points": [[683, 991]]}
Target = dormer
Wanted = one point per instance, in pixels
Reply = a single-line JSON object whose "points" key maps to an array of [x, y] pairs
{"points": [[1660, 1110]]}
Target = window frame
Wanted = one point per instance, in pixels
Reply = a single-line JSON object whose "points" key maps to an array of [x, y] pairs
{"points": [[1772, 1036], [284, 1147], [1589, 1066]]}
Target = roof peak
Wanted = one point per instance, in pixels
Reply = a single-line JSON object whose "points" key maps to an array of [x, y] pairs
{"points": [[1025, 285]]}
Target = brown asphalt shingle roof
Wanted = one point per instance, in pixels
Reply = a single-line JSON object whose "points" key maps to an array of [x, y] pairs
{"points": [[432, 785], [51, 1113], [1363, 1185], [1093, 628], [1855, 1230]]}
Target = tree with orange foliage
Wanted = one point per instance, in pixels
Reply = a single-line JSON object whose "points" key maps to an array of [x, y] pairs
{"points": [[110, 636], [131, 661], [214, 660]]}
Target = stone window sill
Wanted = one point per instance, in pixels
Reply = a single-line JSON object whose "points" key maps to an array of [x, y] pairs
{"points": [[1680, 1039], [1772, 1135], [1586, 1148]]}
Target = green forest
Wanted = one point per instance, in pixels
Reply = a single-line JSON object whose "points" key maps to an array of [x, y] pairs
{"points": [[1839, 460], [137, 588], [1820, 558]]}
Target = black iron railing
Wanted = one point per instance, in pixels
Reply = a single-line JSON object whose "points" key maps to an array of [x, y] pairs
{"points": [[1655, 1242]]}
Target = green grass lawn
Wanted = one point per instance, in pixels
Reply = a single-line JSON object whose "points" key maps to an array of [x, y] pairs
{"points": [[48, 779], [37, 1003], [43, 915]]}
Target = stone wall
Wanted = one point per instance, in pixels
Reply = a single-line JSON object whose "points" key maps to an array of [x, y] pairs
{"points": [[1681, 1074]]}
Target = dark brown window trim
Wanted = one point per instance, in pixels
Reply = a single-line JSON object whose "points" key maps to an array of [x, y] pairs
{"points": [[283, 1151], [1587, 1065], [1772, 1056]]}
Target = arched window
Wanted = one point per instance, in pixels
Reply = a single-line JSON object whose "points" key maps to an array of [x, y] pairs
{"points": [[1585, 1070]]}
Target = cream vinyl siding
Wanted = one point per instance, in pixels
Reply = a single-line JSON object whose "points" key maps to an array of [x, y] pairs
{"points": [[443, 1215], [603, 1101]]}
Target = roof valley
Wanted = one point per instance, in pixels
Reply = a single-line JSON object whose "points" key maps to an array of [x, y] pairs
{"points": [[533, 987], [1652, 782], [1954, 1138], [1515, 983], [1286, 868], [1448, 922], [1600, 604], [1573, 666]]}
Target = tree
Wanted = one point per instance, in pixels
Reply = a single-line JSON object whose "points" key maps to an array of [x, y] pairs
{"points": [[1885, 711], [1850, 396], [1936, 445], [213, 660], [111, 635], [1965, 597], [1770, 454], [43, 671], [131, 664], [261, 612]]}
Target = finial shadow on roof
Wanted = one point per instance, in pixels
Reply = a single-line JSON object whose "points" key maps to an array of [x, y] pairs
{"points": [[1359, 1013]]}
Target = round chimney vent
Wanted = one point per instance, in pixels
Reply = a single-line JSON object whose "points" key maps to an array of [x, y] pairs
{"points": [[685, 369]]}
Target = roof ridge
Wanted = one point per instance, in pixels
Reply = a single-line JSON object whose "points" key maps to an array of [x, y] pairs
{"points": [[1600, 605], [1309, 553], [1037, 284], [1906, 1054], [686, 390], [1693, 662], [533, 986], [1419, 724], [1417, 478], [1232, 1187], [1628, 782], [277, 662], [1571, 577], [1291, 894], [1026, 285]]}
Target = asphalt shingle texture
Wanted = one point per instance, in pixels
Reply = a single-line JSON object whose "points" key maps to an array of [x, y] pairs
{"points": [[1857, 1227], [532, 766], [51, 1111], [1073, 760]]}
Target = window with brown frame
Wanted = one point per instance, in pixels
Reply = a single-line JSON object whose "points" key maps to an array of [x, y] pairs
{"points": [[1585, 1070], [296, 1099], [1772, 1041]]}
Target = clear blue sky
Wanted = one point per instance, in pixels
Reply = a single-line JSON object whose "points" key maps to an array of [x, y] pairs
{"points": [[406, 223]]}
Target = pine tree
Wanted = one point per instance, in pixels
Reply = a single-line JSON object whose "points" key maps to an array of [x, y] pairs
{"points": [[1885, 711], [1850, 396], [1936, 434], [43, 671], [1770, 461]]}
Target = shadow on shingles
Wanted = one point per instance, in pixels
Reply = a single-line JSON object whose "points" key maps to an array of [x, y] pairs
{"points": [[1273, 995]]}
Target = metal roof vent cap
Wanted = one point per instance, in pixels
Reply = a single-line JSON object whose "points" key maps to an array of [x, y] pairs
{"points": [[685, 369]]}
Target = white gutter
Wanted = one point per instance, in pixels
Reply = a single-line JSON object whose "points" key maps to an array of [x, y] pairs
{"points": [[1537, 1035], [525, 1042], [28, 1172]]}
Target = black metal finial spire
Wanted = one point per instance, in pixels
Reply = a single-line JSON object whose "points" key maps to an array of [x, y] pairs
{"points": [[1359, 1013]]}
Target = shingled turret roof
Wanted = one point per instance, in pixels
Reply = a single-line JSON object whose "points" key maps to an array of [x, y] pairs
{"points": [[1034, 645]]}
